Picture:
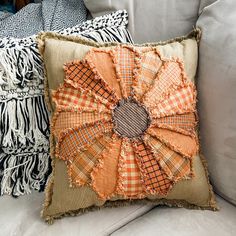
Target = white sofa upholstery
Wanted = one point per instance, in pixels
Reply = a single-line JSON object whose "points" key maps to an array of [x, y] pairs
{"points": [[20, 217]]}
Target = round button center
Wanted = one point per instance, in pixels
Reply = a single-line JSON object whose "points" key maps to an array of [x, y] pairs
{"points": [[130, 118]]}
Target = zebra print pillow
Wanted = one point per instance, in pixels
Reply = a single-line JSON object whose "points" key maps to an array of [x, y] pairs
{"points": [[24, 118]]}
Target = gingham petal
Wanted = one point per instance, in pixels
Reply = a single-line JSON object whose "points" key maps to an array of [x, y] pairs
{"points": [[168, 79], [130, 182], [75, 98], [179, 101]]}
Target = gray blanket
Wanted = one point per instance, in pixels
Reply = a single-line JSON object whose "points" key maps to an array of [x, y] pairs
{"points": [[48, 15]]}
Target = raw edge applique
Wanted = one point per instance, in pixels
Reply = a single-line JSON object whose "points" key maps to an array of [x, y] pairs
{"points": [[152, 101]]}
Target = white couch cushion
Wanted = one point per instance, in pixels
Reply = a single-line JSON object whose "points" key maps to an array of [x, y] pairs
{"points": [[21, 217], [152, 20], [217, 94], [165, 221]]}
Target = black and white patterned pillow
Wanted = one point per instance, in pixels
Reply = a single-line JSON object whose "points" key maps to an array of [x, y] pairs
{"points": [[24, 122]]}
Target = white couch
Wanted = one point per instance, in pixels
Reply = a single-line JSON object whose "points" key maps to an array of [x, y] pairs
{"points": [[20, 217]]}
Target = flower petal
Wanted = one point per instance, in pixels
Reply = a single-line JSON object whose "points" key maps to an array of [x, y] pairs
{"points": [[102, 60], [74, 139], [154, 178], [150, 65], [80, 168], [104, 176], [180, 101], [167, 80], [69, 97], [80, 75], [125, 65], [187, 122], [175, 166], [129, 183], [71, 119], [184, 144]]}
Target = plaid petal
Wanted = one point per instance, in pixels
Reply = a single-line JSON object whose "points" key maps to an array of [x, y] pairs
{"points": [[150, 65], [155, 179], [131, 178], [179, 101], [73, 119], [68, 96], [186, 121], [125, 65], [174, 165], [80, 168], [186, 145], [72, 140], [168, 78], [81, 75]]}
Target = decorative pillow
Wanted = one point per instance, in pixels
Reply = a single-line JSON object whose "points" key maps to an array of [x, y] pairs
{"points": [[123, 125], [24, 123]]}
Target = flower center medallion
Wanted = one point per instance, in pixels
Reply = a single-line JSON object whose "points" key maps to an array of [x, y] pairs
{"points": [[130, 118]]}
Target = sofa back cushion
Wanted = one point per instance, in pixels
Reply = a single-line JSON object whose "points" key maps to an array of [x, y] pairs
{"points": [[152, 20], [217, 94]]}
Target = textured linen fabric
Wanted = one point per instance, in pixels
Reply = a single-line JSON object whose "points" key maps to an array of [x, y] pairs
{"points": [[152, 20], [217, 94], [48, 15], [181, 222], [60, 197], [24, 123]]}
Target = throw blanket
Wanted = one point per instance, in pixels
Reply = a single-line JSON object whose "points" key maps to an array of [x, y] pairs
{"points": [[48, 15]]}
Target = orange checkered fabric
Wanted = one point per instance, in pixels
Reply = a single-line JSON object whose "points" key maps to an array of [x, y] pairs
{"points": [[126, 63], [150, 65], [155, 179], [68, 96], [75, 139], [183, 121], [72, 119], [84, 162], [131, 178], [178, 102], [81, 75], [173, 163], [167, 79]]}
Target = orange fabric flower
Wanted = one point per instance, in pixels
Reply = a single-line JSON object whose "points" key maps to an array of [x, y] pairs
{"points": [[125, 122]]}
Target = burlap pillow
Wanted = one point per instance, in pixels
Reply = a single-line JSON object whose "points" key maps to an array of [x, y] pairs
{"points": [[123, 126]]}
